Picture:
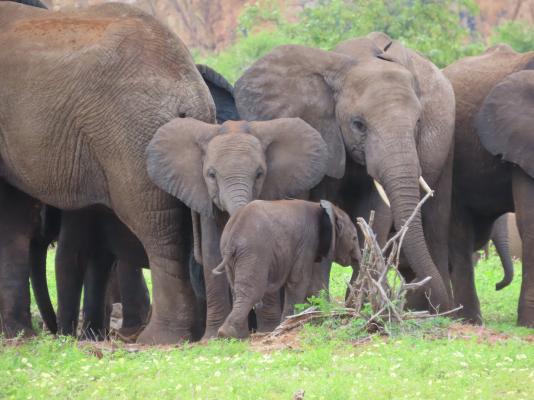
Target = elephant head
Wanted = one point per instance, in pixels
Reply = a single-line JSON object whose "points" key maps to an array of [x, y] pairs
{"points": [[338, 236], [231, 164], [505, 120], [364, 99]]}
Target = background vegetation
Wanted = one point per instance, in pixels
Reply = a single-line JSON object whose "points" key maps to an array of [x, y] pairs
{"points": [[442, 30]]}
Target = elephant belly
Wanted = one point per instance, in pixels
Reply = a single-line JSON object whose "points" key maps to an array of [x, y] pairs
{"points": [[66, 178]]}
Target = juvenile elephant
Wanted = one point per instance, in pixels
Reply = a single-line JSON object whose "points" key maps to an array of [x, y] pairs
{"points": [[388, 109], [493, 165], [217, 169], [72, 142], [269, 245]]}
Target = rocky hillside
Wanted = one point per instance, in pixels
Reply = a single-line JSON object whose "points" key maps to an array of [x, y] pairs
{"points": [[210, 24]]}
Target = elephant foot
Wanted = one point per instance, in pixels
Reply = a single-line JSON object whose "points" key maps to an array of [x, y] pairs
{"points": [[526, 322], [267, 326], [469, 317], [164, 332], [525, 318], [210, 333], [129, 334], [230, 331], [15, 329]]}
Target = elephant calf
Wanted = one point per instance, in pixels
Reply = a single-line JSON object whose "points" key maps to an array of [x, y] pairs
{"points": [[269, 245]]}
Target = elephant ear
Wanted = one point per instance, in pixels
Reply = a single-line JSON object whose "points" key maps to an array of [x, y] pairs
{"points": [[327, 232], [506, 119], [395, 51], [297, 81], [222, 92], [295, 153], [174, 161]]}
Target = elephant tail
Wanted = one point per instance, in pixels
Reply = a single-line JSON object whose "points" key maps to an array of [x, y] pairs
{"points": [[40, 286], [49, 232], [221, 268]]}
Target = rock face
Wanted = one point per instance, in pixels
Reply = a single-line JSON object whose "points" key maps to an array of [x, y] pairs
{"points": [[209, 25]]}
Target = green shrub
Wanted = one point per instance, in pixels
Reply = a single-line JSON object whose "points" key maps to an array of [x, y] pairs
{"points": [[519, 35]]}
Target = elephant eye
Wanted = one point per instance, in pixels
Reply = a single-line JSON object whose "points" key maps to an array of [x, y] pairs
{"points": [[211, 173], [259, 174], [359, 124]]}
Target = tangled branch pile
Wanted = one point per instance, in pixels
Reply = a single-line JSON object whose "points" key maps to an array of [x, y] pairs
{"points": [[379, 284]]}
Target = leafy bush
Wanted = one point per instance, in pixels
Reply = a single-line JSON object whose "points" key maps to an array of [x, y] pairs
{"points": [[519, 35], [433, 27]]}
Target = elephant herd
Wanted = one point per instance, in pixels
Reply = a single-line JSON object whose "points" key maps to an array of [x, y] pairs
{"points": [[115, 145]]}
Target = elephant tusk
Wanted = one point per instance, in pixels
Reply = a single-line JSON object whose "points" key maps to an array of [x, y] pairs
{"points": [[425, 186], [382, 193]]}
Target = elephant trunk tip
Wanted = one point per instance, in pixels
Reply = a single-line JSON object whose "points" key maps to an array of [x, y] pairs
{"points": [[221, 268]]}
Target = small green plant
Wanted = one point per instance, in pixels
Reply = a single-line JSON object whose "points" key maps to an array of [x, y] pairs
{"points": [[519, 35]]}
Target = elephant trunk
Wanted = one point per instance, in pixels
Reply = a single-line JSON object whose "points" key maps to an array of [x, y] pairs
{"points": [[399, 174], [236, 194], [501, 240]]}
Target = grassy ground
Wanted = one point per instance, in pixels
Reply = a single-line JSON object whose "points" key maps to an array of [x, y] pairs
{"points": [[431, 363]]}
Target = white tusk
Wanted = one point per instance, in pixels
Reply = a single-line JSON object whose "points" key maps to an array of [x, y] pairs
{"points": [[425, 186], [382, 193]]}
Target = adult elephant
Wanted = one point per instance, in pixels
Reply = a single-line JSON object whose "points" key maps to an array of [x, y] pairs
{"points": [[494, 94], [386, 114], [83, 93], [92, 241]]}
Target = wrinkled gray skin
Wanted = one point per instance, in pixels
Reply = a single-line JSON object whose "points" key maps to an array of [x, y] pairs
{"points": [[93, 240], [493, 166], [73, 142], [385, 113], [217, 169], [269, 245]]}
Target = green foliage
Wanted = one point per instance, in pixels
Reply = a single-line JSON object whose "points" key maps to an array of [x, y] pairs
{"points": [[519, 35], [432, 27]]}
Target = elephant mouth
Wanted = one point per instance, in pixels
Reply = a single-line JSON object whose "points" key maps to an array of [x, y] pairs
{"points": [[357, 155]]}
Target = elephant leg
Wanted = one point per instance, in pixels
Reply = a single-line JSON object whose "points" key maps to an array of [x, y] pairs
{"points": [[166, 237], [218, 302], [18, 215], [250, 284], [94, 297], [462, 238], [72, 253], [135, 297], [295, 291], [523, 191], [269, 315]]}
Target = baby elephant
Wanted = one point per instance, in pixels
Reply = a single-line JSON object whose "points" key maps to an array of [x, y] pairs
{"points": [[269, 245]]}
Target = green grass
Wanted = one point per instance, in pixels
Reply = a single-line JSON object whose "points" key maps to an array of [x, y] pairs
{"points": [[326, 365]]}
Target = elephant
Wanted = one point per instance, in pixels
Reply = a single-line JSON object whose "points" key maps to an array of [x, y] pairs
{"points": [[269, 245], [90, 242], [71, 142], [386, 114], [492, 167], [217, 169], [93, 240]]}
